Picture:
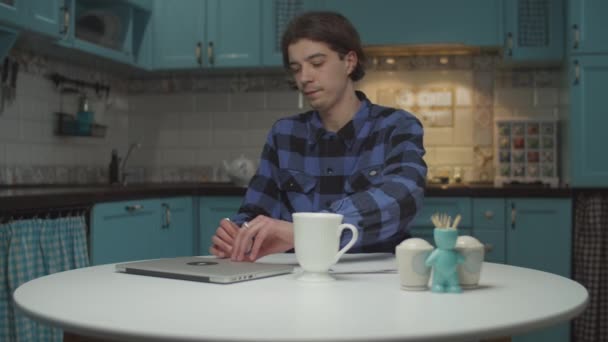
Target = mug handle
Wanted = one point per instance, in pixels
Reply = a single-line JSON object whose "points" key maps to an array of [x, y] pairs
{"points": [[350, 243]]}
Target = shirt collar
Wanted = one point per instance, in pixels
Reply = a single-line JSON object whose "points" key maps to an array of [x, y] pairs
{"points": [[349, 132]]}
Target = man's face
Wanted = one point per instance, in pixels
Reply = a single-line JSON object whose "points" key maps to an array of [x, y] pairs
{"points": [[319, 72]]}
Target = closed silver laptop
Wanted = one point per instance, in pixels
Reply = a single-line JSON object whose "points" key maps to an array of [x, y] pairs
{"points": [[204, 269]]}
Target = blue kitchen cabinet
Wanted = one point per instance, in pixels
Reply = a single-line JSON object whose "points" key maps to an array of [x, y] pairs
{"points": [[211, 210], [45, 17], [179, 33], [539, 236], [587, 27], [276, 14], [176, 227], [489, 227], [125, 231], [533, 31], [141, 229], [384, 22], [234, 33], [211, 33], [112, 30], [11, 12], [588, 160], [422, 227]]}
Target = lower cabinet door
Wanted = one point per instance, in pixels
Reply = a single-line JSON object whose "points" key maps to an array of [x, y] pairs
{"points": [[539, 236], [176, 227], [211, 210], [125, 231]]}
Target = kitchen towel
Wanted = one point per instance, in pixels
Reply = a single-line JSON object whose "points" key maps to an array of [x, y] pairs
{"points": [[591, 264], [31, 248]]}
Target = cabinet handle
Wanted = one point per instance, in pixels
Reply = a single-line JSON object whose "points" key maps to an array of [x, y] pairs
{"points": [[167, 216], [134, 207], [577, 73], [199, 53], [510, 44], [210, 57], [488, 247], [489, 214], [577, 36], [66, 20], [513, 215]]}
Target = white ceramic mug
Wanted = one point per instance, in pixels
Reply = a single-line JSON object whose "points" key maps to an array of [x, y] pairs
{"points": [[317, 239], [413, 272], [473, 252]]}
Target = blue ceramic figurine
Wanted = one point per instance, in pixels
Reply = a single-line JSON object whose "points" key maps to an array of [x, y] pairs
{"points": [[444, 260]]}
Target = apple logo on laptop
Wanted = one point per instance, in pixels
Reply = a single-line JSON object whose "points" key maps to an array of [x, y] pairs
{"points": [[202, 263]]}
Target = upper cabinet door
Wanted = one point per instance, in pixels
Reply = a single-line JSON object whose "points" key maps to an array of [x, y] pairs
{"points": [[276, 15], [11, 12], [45, 16], [588, 121], [179, 34], [233, 33], [587, 27], [534, 30], [383, 22]]}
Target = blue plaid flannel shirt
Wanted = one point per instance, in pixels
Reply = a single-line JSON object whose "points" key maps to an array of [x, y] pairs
{"points": [[371, 171]]}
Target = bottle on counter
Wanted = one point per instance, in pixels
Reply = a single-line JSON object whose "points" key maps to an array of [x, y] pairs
{"points": [[114, 165]]}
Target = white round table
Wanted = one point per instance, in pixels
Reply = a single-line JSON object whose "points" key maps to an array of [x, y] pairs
{"points": [[97, 301]]}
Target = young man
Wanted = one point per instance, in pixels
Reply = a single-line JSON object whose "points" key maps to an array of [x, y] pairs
{"points": [[346, 156]]}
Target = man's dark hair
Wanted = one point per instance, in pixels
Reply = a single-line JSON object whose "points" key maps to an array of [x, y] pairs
{"points": [[330, 28]]}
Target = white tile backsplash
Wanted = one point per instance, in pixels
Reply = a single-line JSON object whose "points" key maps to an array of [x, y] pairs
{"points": [[209, 103], [219, 120], [514, 97], [546, 96]]}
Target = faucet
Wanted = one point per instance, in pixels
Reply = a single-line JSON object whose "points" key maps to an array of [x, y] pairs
{"points": [[123, 165]]}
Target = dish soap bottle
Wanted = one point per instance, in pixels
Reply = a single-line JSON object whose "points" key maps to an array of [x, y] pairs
{"points": [[114, 164], [85, 117]]}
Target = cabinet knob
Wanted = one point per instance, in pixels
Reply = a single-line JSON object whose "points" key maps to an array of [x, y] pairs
{"points": [[167, 222], [199, 53], [66, 21], [134, 207], [210, 56], [488, 247], [488, 214], [577, 36]]}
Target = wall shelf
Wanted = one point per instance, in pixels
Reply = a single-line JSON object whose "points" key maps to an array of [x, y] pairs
{"points": [[68, 125]]}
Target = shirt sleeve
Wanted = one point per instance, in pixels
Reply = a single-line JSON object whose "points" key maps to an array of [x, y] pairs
{"points": [[262, 196], [383, 212]]}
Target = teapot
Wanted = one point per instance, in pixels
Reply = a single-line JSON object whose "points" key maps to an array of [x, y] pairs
{"points": [[239, 170]]}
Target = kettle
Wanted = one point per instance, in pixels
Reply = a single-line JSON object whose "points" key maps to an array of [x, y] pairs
{"points": [[240, 170]]}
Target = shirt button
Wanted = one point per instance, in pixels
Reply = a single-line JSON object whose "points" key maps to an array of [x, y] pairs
{"points": [[330, 171]]}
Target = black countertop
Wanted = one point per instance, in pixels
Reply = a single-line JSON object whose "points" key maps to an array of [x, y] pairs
{"points": [[18, 198]]}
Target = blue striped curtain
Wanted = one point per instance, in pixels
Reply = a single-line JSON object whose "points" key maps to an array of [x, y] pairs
{"points": [[32, 248]]}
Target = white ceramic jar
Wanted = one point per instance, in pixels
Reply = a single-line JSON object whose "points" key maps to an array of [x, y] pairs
{"points": [[413, 273], [473, 252]]}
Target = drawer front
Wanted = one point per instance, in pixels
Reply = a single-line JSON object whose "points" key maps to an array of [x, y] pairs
{"points": [[489, 213], [444, 205], [118, 210]]}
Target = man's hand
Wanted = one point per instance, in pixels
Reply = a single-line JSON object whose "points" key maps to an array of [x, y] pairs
{"points": [[262, 236], [223, 240]]}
